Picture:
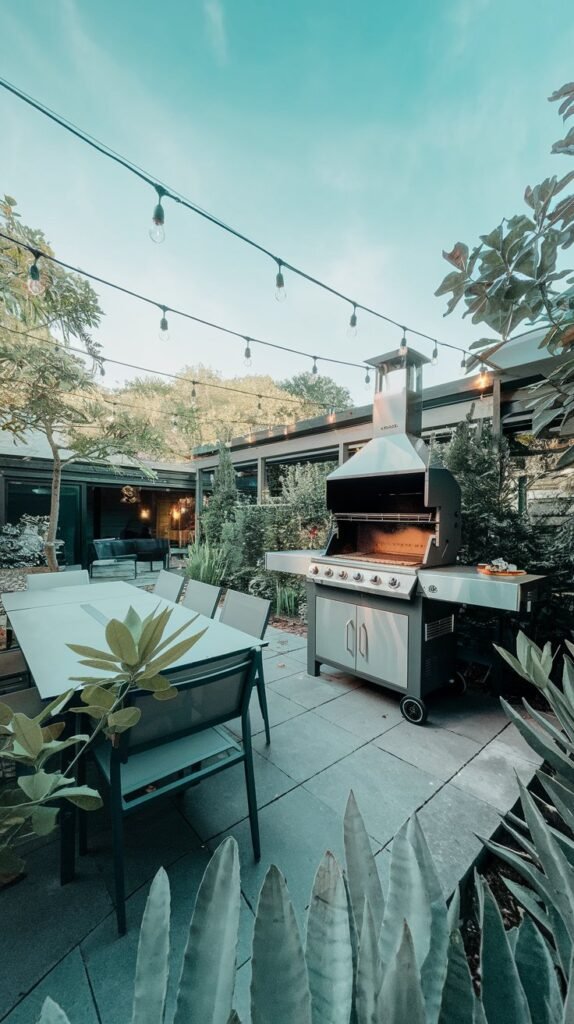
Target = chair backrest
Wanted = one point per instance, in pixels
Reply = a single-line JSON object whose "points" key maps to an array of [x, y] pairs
{"points": [[245, 612], [202, 597], [168, 585], [206, 697], [47, 580]]}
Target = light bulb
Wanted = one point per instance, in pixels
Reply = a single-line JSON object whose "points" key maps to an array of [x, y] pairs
{"points": [[463, 361], [280, 293], [367, 379], [434, 357], [314, 367], [157, 231], [404, 346], [34, 283], [482, 377], [352, 328], [193, 393], [247, 353], [163, 326]]}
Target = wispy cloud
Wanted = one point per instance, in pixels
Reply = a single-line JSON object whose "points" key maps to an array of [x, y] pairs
{"points": [[463, 17], [216, 31]]}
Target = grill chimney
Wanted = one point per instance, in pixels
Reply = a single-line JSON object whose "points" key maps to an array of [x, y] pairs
{"points": [[397, 403]]}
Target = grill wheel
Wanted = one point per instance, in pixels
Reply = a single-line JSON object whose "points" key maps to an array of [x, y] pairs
{"points": [[413, 710]]}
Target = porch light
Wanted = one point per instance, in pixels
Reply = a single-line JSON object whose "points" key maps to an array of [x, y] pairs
{"points": [[157, 231], [144, 513]]}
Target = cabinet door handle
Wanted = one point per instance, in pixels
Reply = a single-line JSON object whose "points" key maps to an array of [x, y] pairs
{"points": [[350, 646], [363, 635]]}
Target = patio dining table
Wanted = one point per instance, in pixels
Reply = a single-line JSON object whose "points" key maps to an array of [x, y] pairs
{"points": [[45, 622]]}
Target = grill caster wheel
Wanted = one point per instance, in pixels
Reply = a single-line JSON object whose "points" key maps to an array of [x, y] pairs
{"points": [[457, 686], [413, 710]]}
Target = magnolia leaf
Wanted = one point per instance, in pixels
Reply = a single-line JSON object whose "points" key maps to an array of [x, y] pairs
{"points": [[91, 710], [168, 694], [155, 684], [134, 623], [171, 655], [6, 714], [43, 820], [121, 642], [53, 732], [28, 734], [124, 719], [102, 666], [152, 633], [98, 696], [92, 652], [82, 796], [36, 786]]}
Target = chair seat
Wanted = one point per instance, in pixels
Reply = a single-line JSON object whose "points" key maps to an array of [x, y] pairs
{"points": [[149, 766]]}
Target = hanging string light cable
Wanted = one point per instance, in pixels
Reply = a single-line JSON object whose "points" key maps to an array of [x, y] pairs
{"points": [[164, 192]]}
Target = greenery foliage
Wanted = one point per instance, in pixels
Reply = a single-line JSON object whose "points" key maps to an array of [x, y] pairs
{"points": [[318, 394], [135, 657], [22, 543], [513, 276], [206, 562], [220, 506]]}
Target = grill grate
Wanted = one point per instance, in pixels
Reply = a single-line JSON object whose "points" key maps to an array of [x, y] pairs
{"points": [[440, 627]]}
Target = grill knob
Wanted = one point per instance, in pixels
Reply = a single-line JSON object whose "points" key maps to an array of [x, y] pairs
{"points": [[357, 576], [375, 579], [328, 572], [343, 574], [314, 569], [394, 582]]}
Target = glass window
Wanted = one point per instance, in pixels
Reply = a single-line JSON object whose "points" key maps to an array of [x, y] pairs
{"points": [[25, 497]]}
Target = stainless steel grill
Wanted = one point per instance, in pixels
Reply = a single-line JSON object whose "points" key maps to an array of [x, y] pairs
{"points": [[380, 597]]}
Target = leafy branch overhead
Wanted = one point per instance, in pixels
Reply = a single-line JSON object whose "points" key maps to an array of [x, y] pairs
{"points": [[515, 276]]}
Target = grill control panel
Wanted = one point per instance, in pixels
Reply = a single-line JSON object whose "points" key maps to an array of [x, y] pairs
{"points": [[392, 583]]}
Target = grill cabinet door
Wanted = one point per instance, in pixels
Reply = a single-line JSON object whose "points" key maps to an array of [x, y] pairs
{"points": [[382, 645], [336, 636]]}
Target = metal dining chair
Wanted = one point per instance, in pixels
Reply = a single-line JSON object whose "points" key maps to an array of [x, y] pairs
{"points": [[202, 597], [250, 615], [47, 580], [168, 585], [171, 746]]}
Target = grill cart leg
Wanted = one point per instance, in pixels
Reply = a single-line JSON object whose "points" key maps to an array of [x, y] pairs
{"points": [[414, 710]]}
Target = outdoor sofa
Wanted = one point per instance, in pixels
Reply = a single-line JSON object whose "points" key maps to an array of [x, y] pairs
{"points": [[136, 549]]}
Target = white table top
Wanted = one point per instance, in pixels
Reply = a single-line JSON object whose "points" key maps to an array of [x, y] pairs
{"points": [[52, 596], [43, 638]]}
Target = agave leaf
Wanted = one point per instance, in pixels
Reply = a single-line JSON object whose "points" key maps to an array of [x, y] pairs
{"points": [[362, 874], [562, 797], [479, 1015], [401, 995], [234, 1018], [568, 1014], [528, 900], [434, 967], [501, 985], [453, 917], [279, 983], [556, 867], [548, 751], [537, 974], [354, 948], [407, 900], [207, 978], [557, 734], [328, 949], [568, 680], [369, 971], [536, 878], [457, 1004], [152, 966], [52, 1013]]}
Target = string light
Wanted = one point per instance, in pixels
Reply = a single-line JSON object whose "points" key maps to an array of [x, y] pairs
{"points": [[314, 367], [434, 357], [247, 354], [367, 378], [463, 361], [352, 328], [280, 293], [482, 377], [163, 325], [404, 346], [259, 406], [193, 392], [34, 283], [157, 231]]}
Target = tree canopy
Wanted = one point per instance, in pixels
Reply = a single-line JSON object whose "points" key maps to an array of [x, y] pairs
{"points": [[319, 394]]}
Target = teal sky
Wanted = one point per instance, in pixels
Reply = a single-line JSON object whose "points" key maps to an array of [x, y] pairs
{"points": [[355, 139]]}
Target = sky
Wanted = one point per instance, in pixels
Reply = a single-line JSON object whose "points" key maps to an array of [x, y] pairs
{"points": [[355, 140]]}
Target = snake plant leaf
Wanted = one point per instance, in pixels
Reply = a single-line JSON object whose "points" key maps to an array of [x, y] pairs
{"points": [[279, 982], [501, 984], [457, 1002], [152, 965], [52, 1013], [207, 978], [362, 874], [556, 867], [537, 974], [479, 1014], [401, 995], [121, 642], [407, 900], [328, 949], [369, 971]]}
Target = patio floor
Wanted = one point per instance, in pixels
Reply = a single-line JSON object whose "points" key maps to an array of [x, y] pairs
{"points": [[329, 734]]}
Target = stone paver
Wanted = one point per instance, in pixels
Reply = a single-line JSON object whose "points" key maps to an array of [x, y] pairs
{"points": [[280, 666], [490, 776], [364, 711], [306, 745], [310, 691], [68, 985], [435, 750], [512, 738], [477, 716]]}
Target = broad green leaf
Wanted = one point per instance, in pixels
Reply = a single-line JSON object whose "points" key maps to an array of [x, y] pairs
{"points": [[328, 950], [152, 967], [134, 624], [6, 714], [154, 683], [168, 694], [93, 652], [362, 875], [171, 655], [101, 666], [53, 731], [28, 734], [152, 632], [91, 710], [98, 696], [36, 786], [208, 971], [170, 639], [121, 642], [43, 820], [82, 796], [279, 982], [124, 719]]}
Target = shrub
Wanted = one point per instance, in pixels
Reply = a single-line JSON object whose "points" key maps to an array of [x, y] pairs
{"points": [[22, 543], [206, 562], [220, 506]]}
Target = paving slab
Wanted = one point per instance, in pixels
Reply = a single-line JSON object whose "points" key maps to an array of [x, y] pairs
{"points": [[512, 738], [387, 790], [438, 751], [280, 666], [110, 960], [47, 920], [280, 709], [306, 745], [476, 715], [450, 822], [221, 801], [310, 691], [67, 984], [365, 711], [282, 642], [491, 775]]}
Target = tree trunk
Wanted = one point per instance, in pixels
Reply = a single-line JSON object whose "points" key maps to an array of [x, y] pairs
{"points": [[50, 543]]}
